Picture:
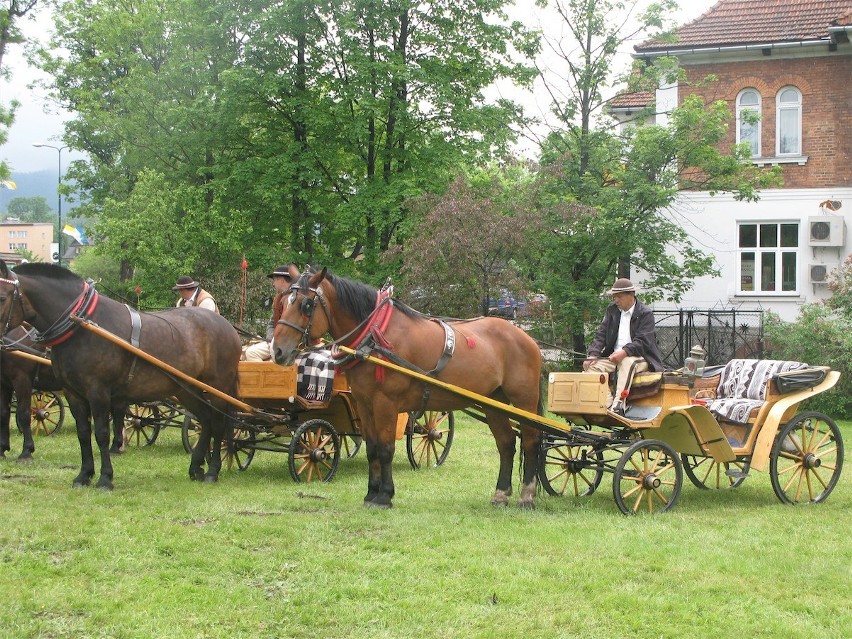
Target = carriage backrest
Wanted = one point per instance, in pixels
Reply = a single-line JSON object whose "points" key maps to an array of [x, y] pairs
{"points": [[749, 378]]}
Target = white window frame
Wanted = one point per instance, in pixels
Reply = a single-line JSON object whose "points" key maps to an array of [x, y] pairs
{"points": [[788, 106], [778, 251], [756, 153]]}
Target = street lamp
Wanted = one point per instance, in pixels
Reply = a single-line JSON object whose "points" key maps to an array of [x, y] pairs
{"points": [[58, 150]]}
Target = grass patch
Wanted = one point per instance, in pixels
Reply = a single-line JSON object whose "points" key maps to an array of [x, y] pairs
{"points": [[258, 555]]}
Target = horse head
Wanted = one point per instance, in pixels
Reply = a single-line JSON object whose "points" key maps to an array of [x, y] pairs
{"points": [[12, 312], [300, 325]]}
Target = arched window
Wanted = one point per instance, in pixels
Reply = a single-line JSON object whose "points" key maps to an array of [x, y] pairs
{"points": [[748, 119], [789, 119]]}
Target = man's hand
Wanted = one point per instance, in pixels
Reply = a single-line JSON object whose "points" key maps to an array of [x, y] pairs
{"points": [[588, 362], [617, 356]]}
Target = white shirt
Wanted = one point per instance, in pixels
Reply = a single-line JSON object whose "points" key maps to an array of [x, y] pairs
{"points": [[624, 328]]}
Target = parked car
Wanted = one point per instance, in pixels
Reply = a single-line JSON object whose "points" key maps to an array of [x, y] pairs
{"points": [[506, 306]]}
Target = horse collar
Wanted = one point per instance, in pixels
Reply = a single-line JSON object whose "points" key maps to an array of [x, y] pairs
{"points": [[81, 309]]}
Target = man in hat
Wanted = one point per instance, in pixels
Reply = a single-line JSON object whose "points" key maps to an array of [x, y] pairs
{"points": [[191, 294], [625, 341], [262, 351]]}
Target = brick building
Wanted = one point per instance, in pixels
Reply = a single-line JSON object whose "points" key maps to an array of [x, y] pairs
{"points": [[785, 69]]}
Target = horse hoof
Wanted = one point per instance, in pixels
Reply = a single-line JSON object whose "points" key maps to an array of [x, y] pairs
{"points": [[116, 451], [373, 504], [500, 498], [526, 505], [211, 479], [105, 484], [80, 483], [196, 475], [25, 459]]}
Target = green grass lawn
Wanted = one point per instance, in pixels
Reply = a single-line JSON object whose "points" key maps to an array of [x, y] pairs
{"points": [[258, 555]]}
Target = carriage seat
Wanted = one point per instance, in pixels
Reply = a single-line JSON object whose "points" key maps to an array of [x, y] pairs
{"points": [[743, 387]]}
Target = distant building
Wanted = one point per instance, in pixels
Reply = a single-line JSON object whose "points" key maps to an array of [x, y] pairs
{"points": [[34, 237], [789, 64]]}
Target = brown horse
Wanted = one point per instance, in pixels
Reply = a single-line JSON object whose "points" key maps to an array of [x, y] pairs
{"points": [[98, 375], [21, 376], [490, 357]]}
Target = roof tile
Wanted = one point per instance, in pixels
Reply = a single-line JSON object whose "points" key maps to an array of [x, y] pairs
{"points": [[738, 22]]}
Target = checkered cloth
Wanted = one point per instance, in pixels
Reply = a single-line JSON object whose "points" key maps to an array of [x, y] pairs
{"points": [[315, 375]]}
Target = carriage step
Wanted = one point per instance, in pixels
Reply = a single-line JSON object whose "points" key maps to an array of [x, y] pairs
{"points": [[736, 474]]}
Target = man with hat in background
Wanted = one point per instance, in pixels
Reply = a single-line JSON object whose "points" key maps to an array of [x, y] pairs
{"points": [[191, 294], [262, 351], [625, 340]]}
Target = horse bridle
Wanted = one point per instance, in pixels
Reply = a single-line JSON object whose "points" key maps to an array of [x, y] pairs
{"points": [[307, 308], [16, 297]]}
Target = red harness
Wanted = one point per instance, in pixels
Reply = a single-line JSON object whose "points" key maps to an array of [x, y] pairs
{"points": [[373, 331], [84, 307]]}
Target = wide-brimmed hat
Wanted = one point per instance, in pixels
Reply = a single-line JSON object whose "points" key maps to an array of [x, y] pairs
{"points": [[283, 271], [622, 285], [185, 281]]}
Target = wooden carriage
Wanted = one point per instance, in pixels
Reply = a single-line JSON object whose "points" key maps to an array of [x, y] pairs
{"points": [[682, 428]]}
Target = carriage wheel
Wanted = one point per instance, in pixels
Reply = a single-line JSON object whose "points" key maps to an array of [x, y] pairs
{"points": [[47, 412], [239, 451], [314, 451], [189, 432], [565, 468], [428, 439], [806, 459], [141, 424], [350, 445], [648, 477], [706, 473]]}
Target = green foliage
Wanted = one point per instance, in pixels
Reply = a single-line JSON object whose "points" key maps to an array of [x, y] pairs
{"points": [[304, 126], [31, 209], [823, 337]]}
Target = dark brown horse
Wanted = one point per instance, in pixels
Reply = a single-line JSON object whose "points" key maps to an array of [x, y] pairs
{"points": [[491, 357], [98, 375], [21, 376]]}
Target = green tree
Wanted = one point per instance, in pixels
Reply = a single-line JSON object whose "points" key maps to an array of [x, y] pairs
{"points": [[31, 209], [626, 180], [305, 124]]}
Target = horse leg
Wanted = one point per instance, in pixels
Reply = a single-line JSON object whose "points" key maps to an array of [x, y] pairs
{"points": [[504, 436], [380, 452], [23, 418], [531, 445], [102, 415], [80, 410], [221, 428], [5, 418], [202, 445], [118, 412]]}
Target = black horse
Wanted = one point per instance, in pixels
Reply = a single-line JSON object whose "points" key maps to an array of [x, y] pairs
{"points": [[97, 374], [21, 376]]}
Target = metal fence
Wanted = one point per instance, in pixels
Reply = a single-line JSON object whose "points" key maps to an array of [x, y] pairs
{"points": [[723, 334]]}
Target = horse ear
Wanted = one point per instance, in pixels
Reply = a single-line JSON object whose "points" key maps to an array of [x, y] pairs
{"points": [[316, 278], [3, 270]]}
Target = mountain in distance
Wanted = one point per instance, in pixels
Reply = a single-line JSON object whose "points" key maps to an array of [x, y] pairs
{"points": [[35, 184]]}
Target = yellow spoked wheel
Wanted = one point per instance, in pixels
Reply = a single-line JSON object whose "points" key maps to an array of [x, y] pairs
{"points": [[806, 459], [239, 451], [141, 424], [706, 473], [314, 451], [47, 412], [428, 438], [566, 469], [647, 478]]}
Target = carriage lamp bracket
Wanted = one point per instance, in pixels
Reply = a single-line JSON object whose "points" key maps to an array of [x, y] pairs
{"points": [[693, 365]]}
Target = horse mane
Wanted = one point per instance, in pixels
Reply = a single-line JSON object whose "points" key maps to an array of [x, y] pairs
{"points": [[359, 299], [40, 269]]}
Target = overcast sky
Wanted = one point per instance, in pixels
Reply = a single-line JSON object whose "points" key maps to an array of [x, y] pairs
{"points": [[38, 121]]}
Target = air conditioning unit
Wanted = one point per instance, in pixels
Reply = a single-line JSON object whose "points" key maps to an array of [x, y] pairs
{"points": [[819, 272], [826, 230]]}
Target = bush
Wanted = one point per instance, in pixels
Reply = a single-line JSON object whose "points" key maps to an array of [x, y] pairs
{"points": [[820, 336]]}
